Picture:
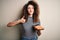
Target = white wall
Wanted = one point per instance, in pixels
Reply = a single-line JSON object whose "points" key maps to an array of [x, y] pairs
{"points": [[10, 10], [49, 16], [50, 19]]}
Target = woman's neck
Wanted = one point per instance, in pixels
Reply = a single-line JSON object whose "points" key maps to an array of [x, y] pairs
{"points": [[30, 15]]}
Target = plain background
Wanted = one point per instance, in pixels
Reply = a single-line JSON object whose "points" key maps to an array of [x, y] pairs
{"points": [[49, 16]]}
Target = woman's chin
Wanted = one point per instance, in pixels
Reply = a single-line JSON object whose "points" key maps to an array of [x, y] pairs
{"points": [[30, 13]]}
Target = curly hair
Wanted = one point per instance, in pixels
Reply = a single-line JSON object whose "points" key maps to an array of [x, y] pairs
{"points": [[36, 11]]}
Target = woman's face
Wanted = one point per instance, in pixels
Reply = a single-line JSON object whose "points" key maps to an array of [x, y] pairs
{"points": [[30, 9]]}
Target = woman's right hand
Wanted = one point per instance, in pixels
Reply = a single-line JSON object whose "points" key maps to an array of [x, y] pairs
{"points": [[22, 20]]}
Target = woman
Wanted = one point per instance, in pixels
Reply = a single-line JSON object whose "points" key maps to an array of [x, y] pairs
{"points": [[29, 18]]}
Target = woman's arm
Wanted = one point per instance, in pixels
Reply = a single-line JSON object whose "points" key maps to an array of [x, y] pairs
{"points": [[13, 23], [10, 24]]}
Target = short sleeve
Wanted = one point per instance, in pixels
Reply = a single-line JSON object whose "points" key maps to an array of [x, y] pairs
{"points": [[37, 23]]}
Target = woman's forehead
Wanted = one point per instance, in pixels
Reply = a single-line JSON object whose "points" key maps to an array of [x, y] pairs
{"points": [[30, 5]]}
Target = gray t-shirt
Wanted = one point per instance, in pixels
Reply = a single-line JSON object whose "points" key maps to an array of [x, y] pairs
{"points": [[29, 33]]}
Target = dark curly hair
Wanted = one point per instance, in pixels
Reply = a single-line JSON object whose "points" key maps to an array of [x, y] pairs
{"points": [[36, 11]]}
